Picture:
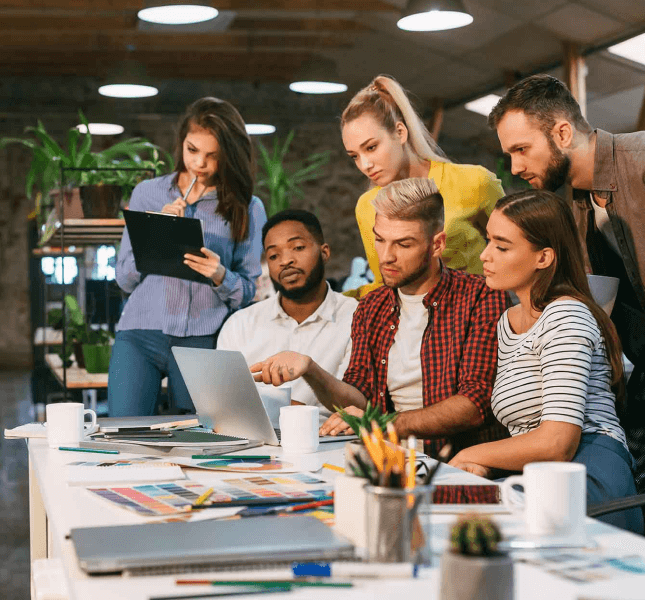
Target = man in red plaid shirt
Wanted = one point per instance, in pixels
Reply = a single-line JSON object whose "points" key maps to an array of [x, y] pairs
{"points": [[424, 344]]}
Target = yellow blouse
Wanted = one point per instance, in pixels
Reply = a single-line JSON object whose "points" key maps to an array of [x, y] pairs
{"points": [[468, 191]]}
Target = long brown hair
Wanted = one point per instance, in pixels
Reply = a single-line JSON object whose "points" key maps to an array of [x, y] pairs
{"points": [[547, 222], [387, 102], [234, 177]]}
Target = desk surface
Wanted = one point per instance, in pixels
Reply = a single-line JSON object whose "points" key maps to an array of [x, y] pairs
{"points": [[69, 507], [77, 378]]}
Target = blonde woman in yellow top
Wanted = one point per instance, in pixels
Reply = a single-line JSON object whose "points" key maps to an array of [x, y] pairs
{"points": [[387, 140]]}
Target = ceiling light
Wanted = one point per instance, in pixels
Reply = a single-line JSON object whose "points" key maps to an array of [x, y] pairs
{"points": [[434, 15], [633, 49], [128, 90], [176, 12], [318, 76], [259, 129], [101, 128], [483, 105]]}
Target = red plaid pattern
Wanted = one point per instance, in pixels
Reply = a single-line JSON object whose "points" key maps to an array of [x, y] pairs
{"points": [[458, 350]]}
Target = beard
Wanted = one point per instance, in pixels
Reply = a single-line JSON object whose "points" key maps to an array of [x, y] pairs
{"points": [[557, 173], [311, 283], [421, 271]]}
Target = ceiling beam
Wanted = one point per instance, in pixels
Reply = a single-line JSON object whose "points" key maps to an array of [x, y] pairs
{"points": [[275, 5], [296, 25], [43, 40], [575, 74]]}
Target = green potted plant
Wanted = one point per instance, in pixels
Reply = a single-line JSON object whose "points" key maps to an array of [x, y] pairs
{"points": [[48, 157], [473, 567], [91, 347], [282, 180]]}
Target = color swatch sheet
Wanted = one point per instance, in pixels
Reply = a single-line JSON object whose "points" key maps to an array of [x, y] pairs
{"points": [[164, 499]]}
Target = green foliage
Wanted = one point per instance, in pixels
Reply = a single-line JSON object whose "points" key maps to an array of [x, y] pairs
{"points": [[78, 331], [48, 157], [475, 535], [372, 413], [283, 181]]}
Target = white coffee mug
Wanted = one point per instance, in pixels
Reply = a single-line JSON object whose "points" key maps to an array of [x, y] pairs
{"points": [[65, 423], [299, 429], [555, 498], [274, 398]]}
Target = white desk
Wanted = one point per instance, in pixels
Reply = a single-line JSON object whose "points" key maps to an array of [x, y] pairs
{"points": [[56, 508]]}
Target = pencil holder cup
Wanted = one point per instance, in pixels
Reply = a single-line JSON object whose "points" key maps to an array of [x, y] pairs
{"points": [[398, 524], [350, 510]]}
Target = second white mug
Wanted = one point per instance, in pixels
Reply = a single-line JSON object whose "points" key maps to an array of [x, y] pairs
{"points": [[65, 423], [555, 498], [299, 429]]}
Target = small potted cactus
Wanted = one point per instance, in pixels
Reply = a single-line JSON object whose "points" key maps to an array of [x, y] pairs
{"points": [[473, 568]]}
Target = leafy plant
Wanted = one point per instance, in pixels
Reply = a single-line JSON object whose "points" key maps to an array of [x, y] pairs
{"points": [[475, 535], [283, 181], [372, 413], [48, 157], [78, 331]]}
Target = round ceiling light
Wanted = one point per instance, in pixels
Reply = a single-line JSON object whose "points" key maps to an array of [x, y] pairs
{"points": [[317, 87], [434, 15], [178, 14], [101, 128], [259, 129], [128, 90]]}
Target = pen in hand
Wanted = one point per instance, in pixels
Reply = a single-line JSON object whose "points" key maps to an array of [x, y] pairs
{"points": [[190, 189]]}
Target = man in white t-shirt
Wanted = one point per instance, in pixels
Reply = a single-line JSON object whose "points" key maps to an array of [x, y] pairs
{"points": [[306, 316]]}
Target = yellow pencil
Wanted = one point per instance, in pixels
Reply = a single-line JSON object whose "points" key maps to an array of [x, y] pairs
{"points": [[391, 433], [371, 450], [333, 467], [412, 459], [203, 497]]}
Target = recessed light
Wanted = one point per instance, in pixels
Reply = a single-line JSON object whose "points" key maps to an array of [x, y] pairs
{"points": [[317, 87], [632, 49], [259, 129], [178, 14], [101, 128], [483, 105], [128, 90]]}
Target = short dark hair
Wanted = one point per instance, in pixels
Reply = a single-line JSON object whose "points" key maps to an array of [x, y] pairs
{"points": [[309, 220], [544, 98]]}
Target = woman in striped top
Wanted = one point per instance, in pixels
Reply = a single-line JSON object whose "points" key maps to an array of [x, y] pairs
{"points": [[213, 151], [559, 358]]}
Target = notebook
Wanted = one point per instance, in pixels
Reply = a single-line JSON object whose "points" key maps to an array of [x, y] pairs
{"points": [[225, 396], [243, 542], [159, 242]]}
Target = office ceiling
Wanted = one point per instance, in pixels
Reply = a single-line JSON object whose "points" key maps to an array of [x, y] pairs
{"points": [[55, 53]]}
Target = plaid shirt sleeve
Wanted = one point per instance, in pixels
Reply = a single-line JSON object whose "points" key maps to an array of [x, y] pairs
{"points": [[479, 359], [360, 371]]}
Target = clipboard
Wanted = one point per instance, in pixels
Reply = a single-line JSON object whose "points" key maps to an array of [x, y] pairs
{"points": [[159, 242]]}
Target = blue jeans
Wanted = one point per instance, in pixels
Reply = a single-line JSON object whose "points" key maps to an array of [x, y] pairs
{"points": [[140, 360], [609, 477]]}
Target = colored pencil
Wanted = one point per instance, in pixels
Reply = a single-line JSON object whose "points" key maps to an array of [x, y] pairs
{"points": [[333, 468], [236, 456], [204, 497], [93, 450]]}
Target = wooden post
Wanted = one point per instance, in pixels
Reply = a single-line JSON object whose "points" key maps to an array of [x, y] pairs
{"points": [[575, 74], [640, 125], [434, 126]]}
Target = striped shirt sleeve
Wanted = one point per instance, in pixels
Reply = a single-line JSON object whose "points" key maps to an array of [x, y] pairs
{"points": [[565, 346]]}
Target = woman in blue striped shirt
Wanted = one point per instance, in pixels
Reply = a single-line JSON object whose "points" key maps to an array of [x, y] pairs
{"points": [[163, 312], [559, 364]]}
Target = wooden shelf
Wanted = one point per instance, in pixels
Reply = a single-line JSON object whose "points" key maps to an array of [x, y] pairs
{"points": [[77, 378], [91, 232], [55, 251]]}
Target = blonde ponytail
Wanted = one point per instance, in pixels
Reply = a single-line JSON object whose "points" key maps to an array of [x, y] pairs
{"points": [[387, 101]]}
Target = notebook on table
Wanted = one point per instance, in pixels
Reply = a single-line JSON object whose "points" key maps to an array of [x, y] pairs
{"points": [[159, 242], [208, 543], [225, 396]]}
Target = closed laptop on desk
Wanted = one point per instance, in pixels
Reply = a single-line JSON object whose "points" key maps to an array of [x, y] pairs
{"points": [[217, 543]]}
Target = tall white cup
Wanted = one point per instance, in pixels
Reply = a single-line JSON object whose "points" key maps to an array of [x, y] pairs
{"points": [[65, 423], [299, 429], [555, 498]]}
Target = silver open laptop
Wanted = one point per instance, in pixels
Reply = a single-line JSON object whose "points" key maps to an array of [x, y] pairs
{"points": [[225, 396]]}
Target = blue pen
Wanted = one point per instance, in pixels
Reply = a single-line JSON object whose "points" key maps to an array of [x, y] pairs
{"points": [[355, 569]]}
